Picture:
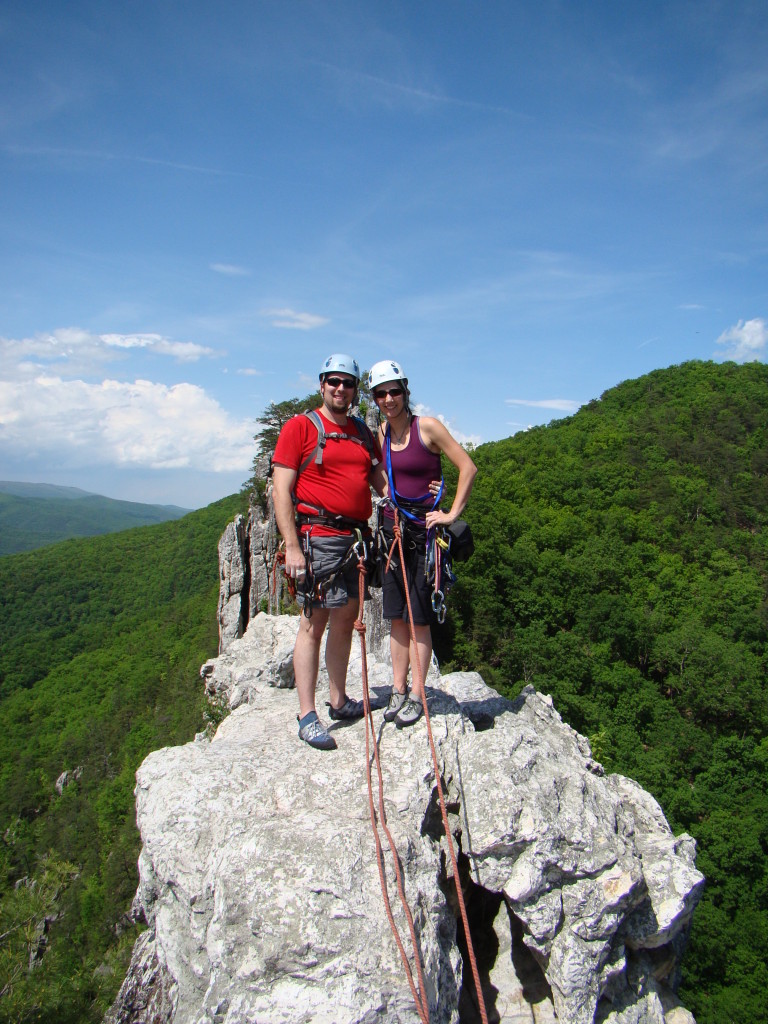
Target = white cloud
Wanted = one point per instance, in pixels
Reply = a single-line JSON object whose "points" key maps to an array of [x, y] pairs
{"points": [[137, 424], [745, 342], [72, 351], [558, 404], [249, 371], [424, 410], [298, 321], [230, 270]]}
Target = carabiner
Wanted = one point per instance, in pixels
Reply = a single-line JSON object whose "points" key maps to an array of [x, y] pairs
{"points": [[359, 547], [438, 605]]}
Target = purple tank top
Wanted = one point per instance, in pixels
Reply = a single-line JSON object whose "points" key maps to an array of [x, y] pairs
{"points": [[415, 466]]}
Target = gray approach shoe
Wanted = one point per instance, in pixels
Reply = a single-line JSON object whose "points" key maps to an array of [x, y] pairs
{"points": [[409, 713], [396, 701], [317, 736]]}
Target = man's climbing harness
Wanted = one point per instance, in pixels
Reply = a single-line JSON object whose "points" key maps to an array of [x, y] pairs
{"points": [[420, 994], [315, 585]]}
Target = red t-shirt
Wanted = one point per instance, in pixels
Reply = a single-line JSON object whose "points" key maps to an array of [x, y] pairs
{"points": [[340, 484]]}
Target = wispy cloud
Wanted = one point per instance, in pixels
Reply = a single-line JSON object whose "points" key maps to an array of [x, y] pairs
{"points": [[726, 119], [387, 90], [531, 279], [182, 351], [63, 153], [297, 321], [557, 404], [230, 270], [73, 351], [746, 342]]}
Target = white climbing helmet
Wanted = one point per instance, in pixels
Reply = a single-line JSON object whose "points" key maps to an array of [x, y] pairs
{"points": [[340, 363], [386, 369]]}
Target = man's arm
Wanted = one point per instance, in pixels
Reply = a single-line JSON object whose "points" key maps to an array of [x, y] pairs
{"points": [[283, 480], [378, 479]]}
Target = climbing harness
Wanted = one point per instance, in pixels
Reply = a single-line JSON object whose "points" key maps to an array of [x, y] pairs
{"points": [[316, 586], [420, 996], [437, 540]]}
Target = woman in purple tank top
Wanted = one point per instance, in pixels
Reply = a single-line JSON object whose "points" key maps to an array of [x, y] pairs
{"points": [[415, 445]]}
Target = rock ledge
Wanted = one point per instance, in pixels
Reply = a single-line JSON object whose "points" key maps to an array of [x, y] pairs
{"points": [[259, 883]]}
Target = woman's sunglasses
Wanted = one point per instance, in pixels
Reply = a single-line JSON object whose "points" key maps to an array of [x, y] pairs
{"points": [[392, 392]]}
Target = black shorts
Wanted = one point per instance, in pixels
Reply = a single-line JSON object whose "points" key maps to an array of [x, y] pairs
{"points": [[394, 604]]}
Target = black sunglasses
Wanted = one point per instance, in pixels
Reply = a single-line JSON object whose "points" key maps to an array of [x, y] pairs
{"points": [[336, 382], [392, 392]]}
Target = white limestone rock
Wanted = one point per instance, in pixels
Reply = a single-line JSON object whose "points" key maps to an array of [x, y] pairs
{"points": [[260, 885]]}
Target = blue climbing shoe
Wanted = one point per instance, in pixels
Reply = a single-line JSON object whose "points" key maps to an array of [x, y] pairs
{"points": [[316, 735]]}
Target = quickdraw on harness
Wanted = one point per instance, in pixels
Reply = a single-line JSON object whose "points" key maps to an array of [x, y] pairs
{"points": [[437, 565], [316, 586], [420, 994]]}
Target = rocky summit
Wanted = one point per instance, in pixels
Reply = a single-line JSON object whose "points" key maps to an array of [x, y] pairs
{"points": [[261, 890]]}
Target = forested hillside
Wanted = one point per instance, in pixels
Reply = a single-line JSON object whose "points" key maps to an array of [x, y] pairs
{"points": [[102, 641], [33, 515], [621, 564]]}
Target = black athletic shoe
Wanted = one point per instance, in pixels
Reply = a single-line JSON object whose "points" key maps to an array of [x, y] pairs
{"points": [[348, 712]]}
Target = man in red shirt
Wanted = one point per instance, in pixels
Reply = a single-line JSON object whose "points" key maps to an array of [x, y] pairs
{"points": [[322, 496]]}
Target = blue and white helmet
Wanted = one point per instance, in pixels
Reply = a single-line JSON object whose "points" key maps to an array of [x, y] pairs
{"points": [[341, 363], [386, 369]]}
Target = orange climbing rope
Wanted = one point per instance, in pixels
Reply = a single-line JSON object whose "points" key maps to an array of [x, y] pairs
{"points": [[420, 995], [421, 1005]]}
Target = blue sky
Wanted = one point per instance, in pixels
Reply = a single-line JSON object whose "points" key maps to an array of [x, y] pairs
{"points": [[525, 203]]}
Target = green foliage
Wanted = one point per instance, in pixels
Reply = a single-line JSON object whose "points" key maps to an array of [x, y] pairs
{"points": [[621, 564], [102, 644], [34, 515], [271, 422]]}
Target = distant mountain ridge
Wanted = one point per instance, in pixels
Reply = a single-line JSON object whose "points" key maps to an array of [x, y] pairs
{"points": [[35, 515]]}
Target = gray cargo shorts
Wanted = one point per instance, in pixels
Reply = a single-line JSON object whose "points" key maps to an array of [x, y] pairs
{"points": [[326, 554]]}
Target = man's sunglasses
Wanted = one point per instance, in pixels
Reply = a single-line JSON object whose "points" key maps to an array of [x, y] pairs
{"points": [[392, 392], [342, 382]]}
